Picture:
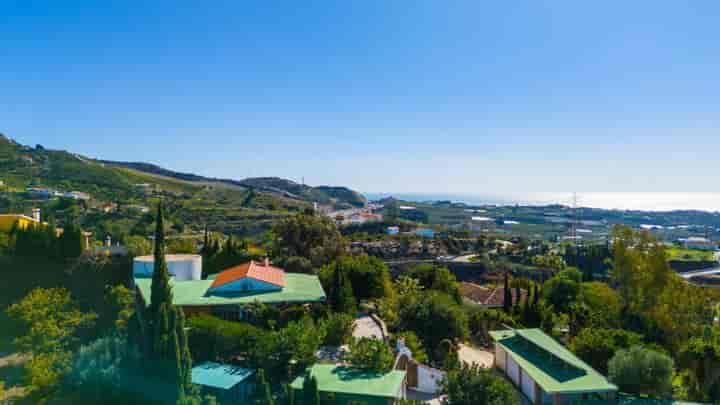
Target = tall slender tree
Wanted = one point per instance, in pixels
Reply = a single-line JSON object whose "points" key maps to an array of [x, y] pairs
{"points": [[161, 291], [263, 393], [507, 296], [167, 322]]}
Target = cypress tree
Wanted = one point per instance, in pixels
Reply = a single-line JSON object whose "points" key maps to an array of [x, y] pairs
{"points": [[167, 322], [161, 292], [186, 358], [289, 395], [263, 393], [342, 295], [311, 395], [507, 301], [518, 294], [526, 309]]}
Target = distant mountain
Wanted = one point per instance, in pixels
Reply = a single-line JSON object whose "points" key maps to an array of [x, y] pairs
{"points": [[340, 196], [22, 166]]}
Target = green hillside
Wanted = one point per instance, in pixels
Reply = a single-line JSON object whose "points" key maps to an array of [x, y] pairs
{"points": [[245, 207]]}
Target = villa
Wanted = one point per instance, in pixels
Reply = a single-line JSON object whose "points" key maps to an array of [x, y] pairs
{"points": [[228, 292], [7, 221], [545, 371]]}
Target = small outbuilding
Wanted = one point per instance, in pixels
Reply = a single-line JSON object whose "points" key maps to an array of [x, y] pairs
{"points": [[342, 385], [228, 383], [545, 371]]}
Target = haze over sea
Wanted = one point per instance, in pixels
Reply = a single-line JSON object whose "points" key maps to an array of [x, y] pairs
{"points": [[648, 201]]}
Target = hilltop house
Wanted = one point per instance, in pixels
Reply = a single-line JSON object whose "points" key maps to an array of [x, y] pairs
{"points": [[699, 243], [545, 371], [227, 293], [342, 385], [7, 221]]}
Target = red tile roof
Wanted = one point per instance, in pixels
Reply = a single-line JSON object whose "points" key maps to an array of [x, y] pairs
{"points": [[491, 297], [258, 271]]}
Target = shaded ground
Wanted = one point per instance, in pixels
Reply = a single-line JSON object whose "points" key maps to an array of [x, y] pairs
{"points": [[365, 326], [433, 399], [473, 355]]}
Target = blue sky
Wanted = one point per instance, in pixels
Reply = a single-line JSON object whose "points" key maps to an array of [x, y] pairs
{"points": [[404, 96]]}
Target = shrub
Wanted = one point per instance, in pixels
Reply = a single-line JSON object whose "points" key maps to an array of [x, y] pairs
{"points": [[642, 371], [338, 329], [371, 355]]}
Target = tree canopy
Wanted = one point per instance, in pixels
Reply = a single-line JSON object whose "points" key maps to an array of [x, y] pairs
{"points": [[642, 371]]}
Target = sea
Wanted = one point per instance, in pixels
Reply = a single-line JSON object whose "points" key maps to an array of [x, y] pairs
{"points": [[636, 201]]}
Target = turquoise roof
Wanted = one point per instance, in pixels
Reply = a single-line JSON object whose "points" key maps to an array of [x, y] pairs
{"points": [[222, 376]]}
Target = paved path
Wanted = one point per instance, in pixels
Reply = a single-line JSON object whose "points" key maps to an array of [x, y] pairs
{"points": [[473, 355], [426, 398], [365, 326], [463, 259]]}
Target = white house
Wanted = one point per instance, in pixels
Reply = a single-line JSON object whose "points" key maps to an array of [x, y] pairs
{"points": [[699, 243]]}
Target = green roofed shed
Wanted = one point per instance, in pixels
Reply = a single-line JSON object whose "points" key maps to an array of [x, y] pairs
{"points": [[227, 382], [343, 385], [544, 369]]}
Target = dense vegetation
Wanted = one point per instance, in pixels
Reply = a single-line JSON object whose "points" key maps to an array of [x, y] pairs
{"points": [[618, 306]]}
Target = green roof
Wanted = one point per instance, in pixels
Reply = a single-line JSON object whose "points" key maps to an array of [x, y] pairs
{"points": [[346, 380], [549, 363], [298, 288], [222, 376], [628, 400]]}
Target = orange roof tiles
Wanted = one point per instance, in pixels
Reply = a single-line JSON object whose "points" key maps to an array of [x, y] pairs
{"points": [[258, 271]]}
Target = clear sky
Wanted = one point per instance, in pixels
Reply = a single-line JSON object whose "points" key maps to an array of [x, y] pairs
{"points": [[379, 95]]}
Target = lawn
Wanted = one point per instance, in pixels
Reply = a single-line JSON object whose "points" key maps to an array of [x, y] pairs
{"points": [[689, 255]]}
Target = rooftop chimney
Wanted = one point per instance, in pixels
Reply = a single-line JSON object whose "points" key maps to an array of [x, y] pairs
{"points": [[36, 214]]}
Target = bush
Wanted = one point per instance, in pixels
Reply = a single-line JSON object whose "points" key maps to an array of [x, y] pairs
{"points": [[598, 346], [213, 339], [371, 355], [642, 372], [338, 329], [298, 264], [413, 343], [471, 385], [434, 317]]}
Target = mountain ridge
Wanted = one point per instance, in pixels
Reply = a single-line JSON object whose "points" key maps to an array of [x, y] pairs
{"points": [[25, 165]]}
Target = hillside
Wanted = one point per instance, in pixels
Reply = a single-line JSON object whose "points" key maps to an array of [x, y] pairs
{"points": [[336, 196], [244, 207]]}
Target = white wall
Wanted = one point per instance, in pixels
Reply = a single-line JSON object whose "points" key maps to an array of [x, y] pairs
{"points": [[513, 371], [500, 357], [528, 387], [182, 267], [429, 379]]}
